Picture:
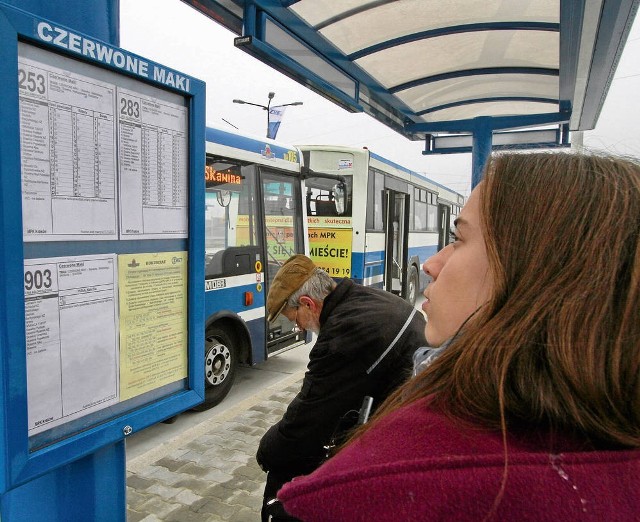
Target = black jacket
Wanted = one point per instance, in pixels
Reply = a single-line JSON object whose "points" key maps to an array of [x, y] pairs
{"points": [[349, 360]]}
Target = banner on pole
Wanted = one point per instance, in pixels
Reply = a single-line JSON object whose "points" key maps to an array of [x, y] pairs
{"points": [[275, 117]]}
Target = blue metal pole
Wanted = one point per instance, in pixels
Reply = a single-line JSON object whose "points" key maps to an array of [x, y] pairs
{"points": [[481, 148], [92, 489]]}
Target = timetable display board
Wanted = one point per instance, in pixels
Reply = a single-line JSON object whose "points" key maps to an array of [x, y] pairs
{"points": [[102, 158], [101, 266]]}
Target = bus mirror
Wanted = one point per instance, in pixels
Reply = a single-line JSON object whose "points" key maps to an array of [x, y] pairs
{"points": [[223, 197], [340, 197]]}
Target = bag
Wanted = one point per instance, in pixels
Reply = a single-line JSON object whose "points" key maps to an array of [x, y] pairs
{"points": [[347, 423]]}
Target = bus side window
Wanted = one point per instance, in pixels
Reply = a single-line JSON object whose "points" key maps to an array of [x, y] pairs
{"points": [[322, 196]]}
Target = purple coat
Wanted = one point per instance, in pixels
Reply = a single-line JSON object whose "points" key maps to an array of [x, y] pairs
{"points": [[418, 465]]}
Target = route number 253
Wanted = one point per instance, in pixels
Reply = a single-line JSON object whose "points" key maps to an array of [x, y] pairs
{"points": [[31, 81]]}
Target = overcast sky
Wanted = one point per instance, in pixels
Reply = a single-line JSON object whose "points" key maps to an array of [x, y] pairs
{"points": [[178, 36]]}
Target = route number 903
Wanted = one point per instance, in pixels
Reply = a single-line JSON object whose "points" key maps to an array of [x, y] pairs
{"points": [[37, 279]]}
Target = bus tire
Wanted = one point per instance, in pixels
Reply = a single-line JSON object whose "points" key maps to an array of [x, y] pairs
{"points": [[220, 364], [412, 285]]}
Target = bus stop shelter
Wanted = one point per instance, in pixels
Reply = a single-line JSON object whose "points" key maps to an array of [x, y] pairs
{"points": [[462, 75]]}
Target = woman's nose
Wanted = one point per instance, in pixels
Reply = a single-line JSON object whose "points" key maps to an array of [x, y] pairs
{"points": [[434, 264]]}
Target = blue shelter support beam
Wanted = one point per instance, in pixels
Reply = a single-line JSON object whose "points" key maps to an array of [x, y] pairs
{"points": [[481, 129], [482, 143]]}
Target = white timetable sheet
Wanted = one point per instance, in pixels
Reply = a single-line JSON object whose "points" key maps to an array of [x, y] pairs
{"points": [[68, 154], [153, 167], [71, 326]]}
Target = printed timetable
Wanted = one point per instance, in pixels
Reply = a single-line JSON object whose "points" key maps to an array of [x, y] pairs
{"points": [[100, 161], [153, 159], [72, 337], [67, 135]]}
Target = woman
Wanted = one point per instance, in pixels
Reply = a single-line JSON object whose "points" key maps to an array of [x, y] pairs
{"points": [[532, 412]]}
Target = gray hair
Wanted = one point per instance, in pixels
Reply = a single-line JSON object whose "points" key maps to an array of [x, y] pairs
{"points": [[317, 287]]}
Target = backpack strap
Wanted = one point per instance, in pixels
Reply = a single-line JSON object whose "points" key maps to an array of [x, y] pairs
{"points": [[393, 343]]}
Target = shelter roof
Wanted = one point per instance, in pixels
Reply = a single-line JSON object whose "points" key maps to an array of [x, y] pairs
{"points": [[429, 66]]}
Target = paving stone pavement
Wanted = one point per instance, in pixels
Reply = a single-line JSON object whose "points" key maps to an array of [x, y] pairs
{"points": [[211, 474]]}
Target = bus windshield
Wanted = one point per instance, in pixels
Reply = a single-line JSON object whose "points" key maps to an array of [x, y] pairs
{"points": [[230, 211]]}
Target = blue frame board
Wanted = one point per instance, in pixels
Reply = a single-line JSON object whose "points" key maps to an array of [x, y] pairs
{"points": [[19, 463]]}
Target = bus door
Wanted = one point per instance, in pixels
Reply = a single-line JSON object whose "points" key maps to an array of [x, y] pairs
{"points": [[396, 242], [283, 238], [444, 227], [233, 253]]}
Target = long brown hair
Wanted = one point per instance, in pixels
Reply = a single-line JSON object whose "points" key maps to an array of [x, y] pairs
{"points": [[558, 344]]}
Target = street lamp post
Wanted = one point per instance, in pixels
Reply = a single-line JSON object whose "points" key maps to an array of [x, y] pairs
{"points": [[267, 108]]}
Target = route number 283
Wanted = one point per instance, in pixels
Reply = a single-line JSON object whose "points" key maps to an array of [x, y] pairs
{"points": [[129, 107], [37, 279]]}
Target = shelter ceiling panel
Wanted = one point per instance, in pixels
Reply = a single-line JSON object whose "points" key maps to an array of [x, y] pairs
{"points": [[506, 108], [456, 90], [459, 52], [352, 26]]}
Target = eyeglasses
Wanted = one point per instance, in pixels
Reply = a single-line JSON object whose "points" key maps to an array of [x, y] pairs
{"points": [[295, 319]]}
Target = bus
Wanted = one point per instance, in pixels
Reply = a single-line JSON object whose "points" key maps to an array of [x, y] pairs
{"points": [[393, 220], [254, 221]]}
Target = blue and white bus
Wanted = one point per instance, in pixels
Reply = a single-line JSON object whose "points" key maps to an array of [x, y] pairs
{"points": [[255, 220], [393, 219]]}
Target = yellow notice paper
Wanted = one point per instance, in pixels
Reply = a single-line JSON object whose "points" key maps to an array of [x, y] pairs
{"points": [[153, 321]]}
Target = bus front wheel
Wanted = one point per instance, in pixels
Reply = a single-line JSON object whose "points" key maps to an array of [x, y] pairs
{"points": [[412, 285], [220, 363]]}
